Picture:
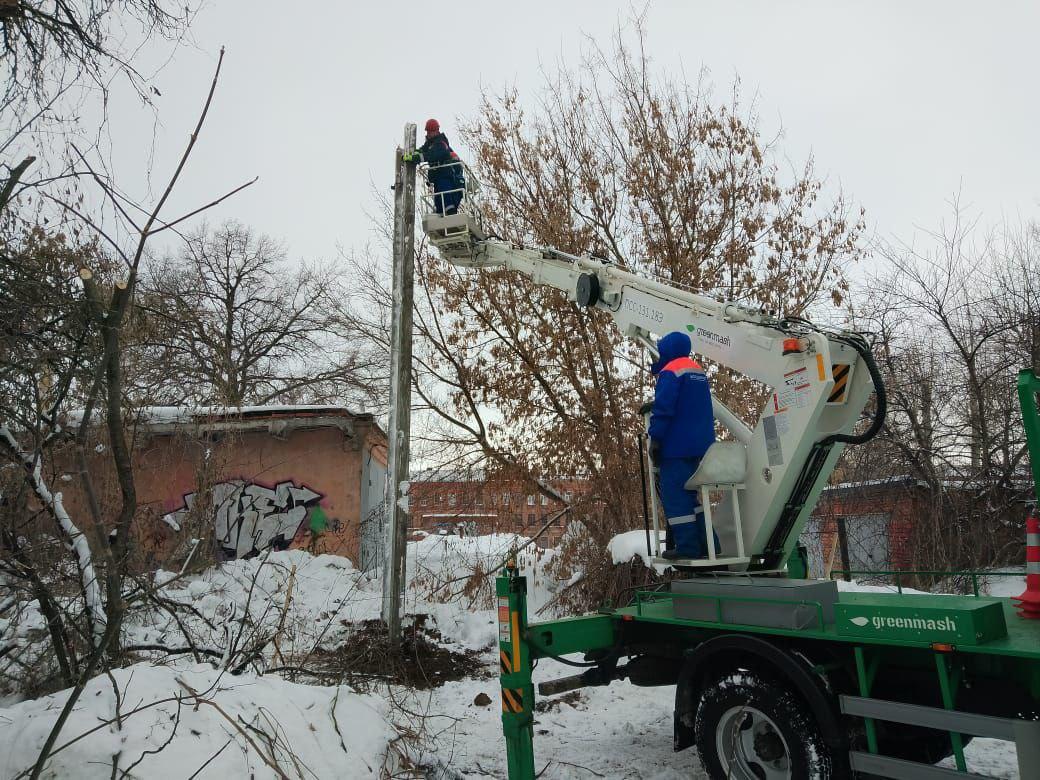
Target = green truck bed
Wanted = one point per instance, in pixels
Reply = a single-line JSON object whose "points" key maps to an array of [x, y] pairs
{"points": [[904, 622]]}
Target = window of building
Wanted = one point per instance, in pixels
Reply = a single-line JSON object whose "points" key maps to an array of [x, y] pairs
{"points": [[478, 500], [530, 518], [545, 500], [568, 496], [425, 501], [451, 499], [505, 499], [530, 500]]}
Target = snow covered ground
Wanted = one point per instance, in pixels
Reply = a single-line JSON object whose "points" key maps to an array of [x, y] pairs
{"points": [[215, 725], [242, 724]]}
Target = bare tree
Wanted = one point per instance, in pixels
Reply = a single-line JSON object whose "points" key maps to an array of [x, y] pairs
{"points": [[61, 58], [956, 317], [234, 322], [43, 39], [69, 336]]}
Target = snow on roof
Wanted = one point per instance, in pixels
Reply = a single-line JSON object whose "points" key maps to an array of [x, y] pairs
{"points": [[907, 479], [897, 480], [158, 415], [450, 475], [459, 514], [277, 418], [478, 475]]}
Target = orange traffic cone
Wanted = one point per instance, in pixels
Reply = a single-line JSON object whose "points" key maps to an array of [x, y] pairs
{"points": [[1029, 601]]}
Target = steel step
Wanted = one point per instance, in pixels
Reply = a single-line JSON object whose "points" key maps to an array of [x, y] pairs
{"points": [[899, 769], [701, 563]]}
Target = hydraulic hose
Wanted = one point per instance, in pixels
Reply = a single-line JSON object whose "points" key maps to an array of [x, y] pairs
{"points": [[879, 391]]}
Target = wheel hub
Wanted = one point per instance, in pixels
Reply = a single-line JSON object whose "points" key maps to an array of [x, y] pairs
{"points": [[750, 746]]}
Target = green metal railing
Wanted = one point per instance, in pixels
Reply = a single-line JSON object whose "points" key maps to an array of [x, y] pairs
{"points": [[651, 596], [898, 574]]}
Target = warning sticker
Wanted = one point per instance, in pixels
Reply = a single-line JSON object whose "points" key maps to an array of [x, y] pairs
{"points": [[773, 447], [503, 619], [794, 392], [797, 377], [796, 397]]}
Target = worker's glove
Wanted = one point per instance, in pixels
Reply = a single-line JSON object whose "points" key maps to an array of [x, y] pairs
{"points": [[412, 157], [655, 452], [646, 408]]}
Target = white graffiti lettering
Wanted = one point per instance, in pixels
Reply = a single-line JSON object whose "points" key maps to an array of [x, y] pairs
{"points": [[250, 517]]}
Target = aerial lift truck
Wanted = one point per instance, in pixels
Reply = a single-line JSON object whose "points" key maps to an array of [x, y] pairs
{"points": [[777, 676]]}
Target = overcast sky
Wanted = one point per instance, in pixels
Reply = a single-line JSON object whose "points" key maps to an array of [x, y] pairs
{"points": [[901, 103]]}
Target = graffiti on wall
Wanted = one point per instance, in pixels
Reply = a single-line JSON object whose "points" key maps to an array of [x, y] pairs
{"points": [[251, 517]]}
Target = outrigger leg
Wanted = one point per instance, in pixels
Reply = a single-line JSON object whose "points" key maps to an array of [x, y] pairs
{"points": [[515, 674]]}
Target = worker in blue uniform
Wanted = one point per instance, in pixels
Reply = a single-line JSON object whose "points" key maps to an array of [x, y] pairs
{"points": [[444, 173], [682, 427]]}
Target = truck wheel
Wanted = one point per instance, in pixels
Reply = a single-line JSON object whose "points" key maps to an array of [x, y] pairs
{"points": [[749, 727]]}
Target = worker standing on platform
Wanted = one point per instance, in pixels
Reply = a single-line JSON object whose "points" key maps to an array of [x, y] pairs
{"points": [[682, 427], [445, 169]]}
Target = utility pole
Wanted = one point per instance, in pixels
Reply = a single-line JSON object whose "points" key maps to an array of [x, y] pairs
{"points": [[400, 387]]}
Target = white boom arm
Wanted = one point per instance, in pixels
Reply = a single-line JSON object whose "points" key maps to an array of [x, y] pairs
{"points": [[817, 392]]}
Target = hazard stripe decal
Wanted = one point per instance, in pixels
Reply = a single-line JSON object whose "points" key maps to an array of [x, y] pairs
{"points": [[515, 620], [503, 662], [512, 700], [840, 371]]}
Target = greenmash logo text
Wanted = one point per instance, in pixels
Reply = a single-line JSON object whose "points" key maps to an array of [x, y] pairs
{"points": [[880, 622]]}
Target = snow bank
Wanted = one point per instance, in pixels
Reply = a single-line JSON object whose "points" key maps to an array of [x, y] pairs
{"points": [[325, 591], [220, 726], [1005, 585], [632, 544], [313, 599], [452, 578]]}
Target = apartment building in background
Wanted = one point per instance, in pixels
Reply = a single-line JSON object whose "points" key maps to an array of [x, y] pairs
{"points": [[468, 503]]}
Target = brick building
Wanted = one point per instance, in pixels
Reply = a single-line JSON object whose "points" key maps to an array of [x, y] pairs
{"points": [[252, 478], [467, 503], [878, 517]]}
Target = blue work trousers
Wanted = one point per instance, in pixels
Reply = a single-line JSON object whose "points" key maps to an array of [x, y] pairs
{"points": [[682, 507], [446, 201]]}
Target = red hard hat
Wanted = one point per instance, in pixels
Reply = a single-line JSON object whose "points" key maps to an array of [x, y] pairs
{"points": [[432, 126]]}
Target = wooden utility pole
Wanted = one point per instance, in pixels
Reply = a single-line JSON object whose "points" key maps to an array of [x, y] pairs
{"points": [[400, 387]]}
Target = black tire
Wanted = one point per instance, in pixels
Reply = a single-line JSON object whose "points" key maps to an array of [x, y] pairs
{"points": [[765, 730]]}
